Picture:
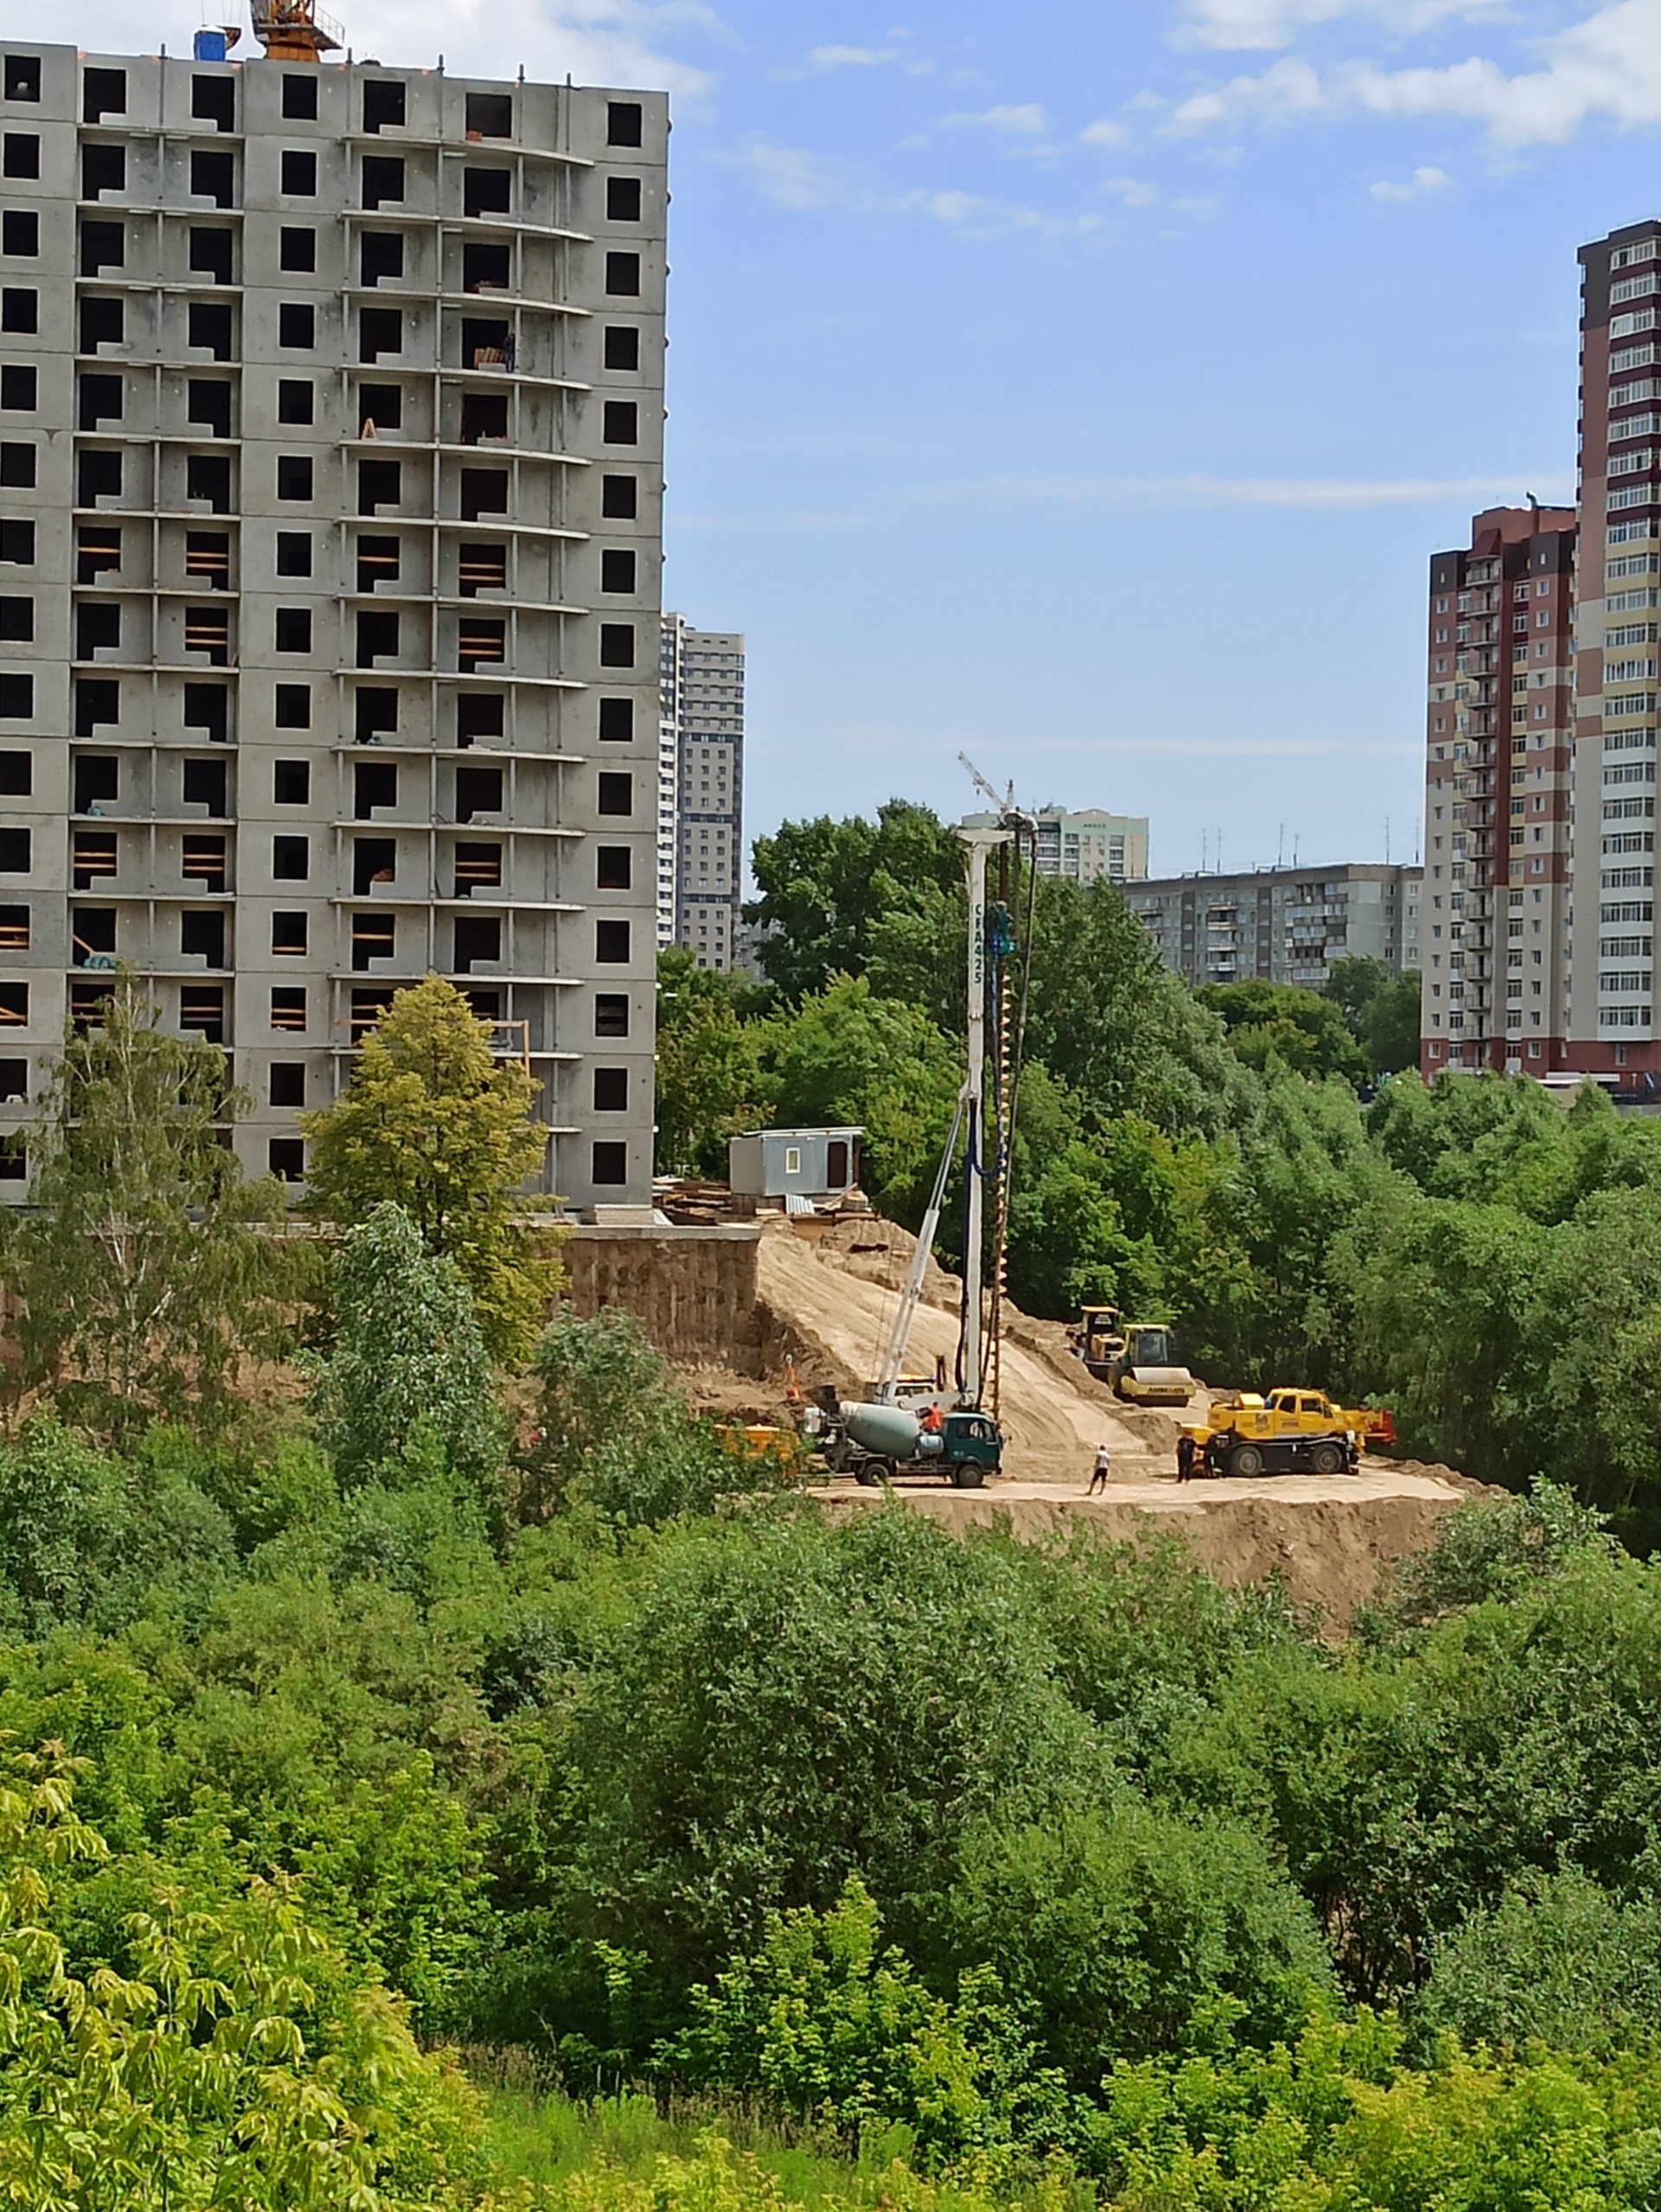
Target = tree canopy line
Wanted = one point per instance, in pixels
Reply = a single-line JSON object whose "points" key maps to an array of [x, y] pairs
{"points": [[1258, 1164], [387, 1668]]}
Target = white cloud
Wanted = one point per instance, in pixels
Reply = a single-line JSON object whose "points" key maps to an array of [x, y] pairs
{"points": [[1027, 121], [1237, 25], [1606, 67], [596, 41], [1105, 134], [850, 57], [1423, 182], [792, 178], [1133, 190]]}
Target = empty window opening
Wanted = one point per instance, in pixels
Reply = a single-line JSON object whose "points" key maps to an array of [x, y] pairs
{"points": [[16, 467], [383, 180], [616, 794], [212, 176], [621, 423], [293, 552], [382, 257], [297, 325], [296, 399], [98, 704], [208, 553], [287, 1087], [100, 402], [208, 629], [16, 620], [97, 628], [206, 707], [487, 191], [205, 785], [609, 1164], [210, 330], [98, 475], [380, 407], [20, 232], [623, 199], [623, 119], [14, 851], [292, 706], [208, 404], [293, 629], [480, 638], [375, 860], [299, 174], [16, 774], [478, 790], [23, 76], [479, 937], [483, 415], [297, 250], [97, 780], [288, 1005], [489, 115], [618, 498], [479, 713], [19, 310], [622, 347], [213, 99], [291, 782], [377, 639], [293, 475], [92, 936], [103, 323], [383, 103], [623, 275], [616, 571], [617, 645], [288, 932], [103, 245], [291, 859], [612, 867], [485, 268], [483, 492], [207, 477], [202, 1009], [103, 169], [20, 155], [376, 713], [299, 97], [611, 942], [211, 252], [379, 485], [381, 330], [374, 783], [202, 937], [611, 1090], [486, 345], [18, 384], [611, 1013]]}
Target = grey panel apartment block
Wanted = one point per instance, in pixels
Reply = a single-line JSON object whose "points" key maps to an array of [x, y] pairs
{"points": [[702, 699], [332, 425], [1086, 847], [1282, 925]]}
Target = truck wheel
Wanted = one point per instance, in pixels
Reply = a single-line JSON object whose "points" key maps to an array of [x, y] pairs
{"points": [[1246, 1460], [1327, 1460], [868, 1474], [966, 1475]]}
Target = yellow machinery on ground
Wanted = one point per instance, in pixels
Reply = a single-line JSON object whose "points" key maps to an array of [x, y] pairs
{"points": [[1290, 1432], [1136, 1359]]}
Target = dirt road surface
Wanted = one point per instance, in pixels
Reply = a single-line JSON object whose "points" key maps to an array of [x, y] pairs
{"points": [[1329, 1537]]}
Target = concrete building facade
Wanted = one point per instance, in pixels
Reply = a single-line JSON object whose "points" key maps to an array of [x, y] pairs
{"points": [[701, 865], [1611, 1000], [1087, 847], [1499, 813], [330, 453], [1282, 925]]}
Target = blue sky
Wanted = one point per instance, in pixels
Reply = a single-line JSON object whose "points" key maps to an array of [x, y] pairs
{"points": [[1084, 385]]}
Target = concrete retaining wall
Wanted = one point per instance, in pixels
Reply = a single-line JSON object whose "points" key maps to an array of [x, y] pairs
{"points": [[693, 1291]]}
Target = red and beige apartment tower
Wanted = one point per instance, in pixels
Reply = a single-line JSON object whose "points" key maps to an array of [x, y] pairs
{"points": [[1611, 1006], [1498, 801]]}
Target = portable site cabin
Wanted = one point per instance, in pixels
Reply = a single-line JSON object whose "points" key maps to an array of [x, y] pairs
{"points": [[794, 1162]]}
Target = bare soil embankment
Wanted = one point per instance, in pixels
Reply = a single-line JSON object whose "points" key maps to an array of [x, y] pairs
{"points": [[1329, 1537]]}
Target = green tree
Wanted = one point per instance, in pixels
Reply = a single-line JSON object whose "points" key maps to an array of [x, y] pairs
{"points": [[1304, 1031], [432, 1121], [708, 1077], [824, 885], [408, 1357], [147, 1268]]}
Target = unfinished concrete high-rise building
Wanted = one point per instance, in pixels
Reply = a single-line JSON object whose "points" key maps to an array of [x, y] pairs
{"points": [[330, 436]]}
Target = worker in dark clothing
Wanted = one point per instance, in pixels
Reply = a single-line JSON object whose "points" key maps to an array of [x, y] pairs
{"points": [[1184, 1459]]}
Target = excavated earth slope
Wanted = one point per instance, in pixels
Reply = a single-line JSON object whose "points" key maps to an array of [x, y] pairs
{"points": [[1329, 1537]]}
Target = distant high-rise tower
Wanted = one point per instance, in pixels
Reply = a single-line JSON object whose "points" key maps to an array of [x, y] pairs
{"points": [[1499, 725], [1611, 998], [330, 442], [703, 708]]}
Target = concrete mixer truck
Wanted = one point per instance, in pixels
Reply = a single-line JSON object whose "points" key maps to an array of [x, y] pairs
{"points": [[873, 1439]]}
